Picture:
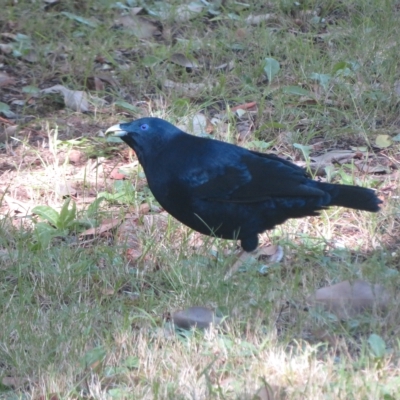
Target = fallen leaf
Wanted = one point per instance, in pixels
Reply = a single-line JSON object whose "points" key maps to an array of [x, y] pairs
{"points": [[105, 226], [6, 48], [195, 317], [186, 12], [13, 381], [258, 19], [74, 99], [183, 61], [6, 80], [383, 141], [228, 66], [93, 23], [347, 299], [116, 175], [141, 27], [187, 89], [245, 106], [334, 156], [127, 235], [197, 125]]}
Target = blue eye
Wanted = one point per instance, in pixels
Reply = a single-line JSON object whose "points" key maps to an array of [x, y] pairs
{"points": [[144, 127]]}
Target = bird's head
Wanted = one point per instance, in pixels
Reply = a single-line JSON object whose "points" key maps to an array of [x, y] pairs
{"points": [[145, 135]]}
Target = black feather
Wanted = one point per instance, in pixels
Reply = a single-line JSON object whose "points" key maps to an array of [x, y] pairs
{"points": [[220, 189]]}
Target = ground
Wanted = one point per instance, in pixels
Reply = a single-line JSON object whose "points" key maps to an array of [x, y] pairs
{"points": [[94, 273]]}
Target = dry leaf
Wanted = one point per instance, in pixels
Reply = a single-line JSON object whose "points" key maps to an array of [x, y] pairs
{"points": [[347, 299], [106, 225], [186, 12], [383, 141], [195, 317], [228, 66], [197, 125], [6, 80], [183, 61], [258, 19], [245, 106], [74, 99], [373, 168], [334, 156], [141, 27], [6, 48], [116, 175], [187, 89], [127, 236], [275, 254]]}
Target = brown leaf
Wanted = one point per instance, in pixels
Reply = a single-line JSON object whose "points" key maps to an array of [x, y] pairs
{"points": [[127, 236], [74, 99], [6, 80], [116, 175], [6, 48], [347, 299], [334, 156], [141, 27], [245, 106], [106, 225], [13, 381]]}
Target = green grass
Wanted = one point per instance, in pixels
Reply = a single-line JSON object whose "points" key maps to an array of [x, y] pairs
{"points": [[79, 321]]}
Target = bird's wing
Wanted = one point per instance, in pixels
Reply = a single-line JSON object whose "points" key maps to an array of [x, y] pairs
{"points": [[252, 177]]}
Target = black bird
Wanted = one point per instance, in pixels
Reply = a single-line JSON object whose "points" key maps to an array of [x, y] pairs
{"points": [[226, 191]]}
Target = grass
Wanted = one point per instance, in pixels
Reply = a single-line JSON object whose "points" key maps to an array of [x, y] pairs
{"points": [[79, 320]]}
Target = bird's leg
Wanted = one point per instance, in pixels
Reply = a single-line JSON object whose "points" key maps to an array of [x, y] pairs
{"points": [[241, 259], [274, 252]]}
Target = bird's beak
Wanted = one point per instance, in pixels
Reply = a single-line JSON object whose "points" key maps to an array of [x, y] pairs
{"points": [[116, 131]]}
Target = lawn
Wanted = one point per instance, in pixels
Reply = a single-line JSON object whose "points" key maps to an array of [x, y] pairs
{"points": [[93, 273]]}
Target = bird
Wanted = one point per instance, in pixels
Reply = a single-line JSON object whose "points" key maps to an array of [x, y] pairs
{"points": [[224, 190]]}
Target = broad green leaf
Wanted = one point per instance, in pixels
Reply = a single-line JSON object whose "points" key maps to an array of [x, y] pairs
{"points": [[297, 90], [304, 149], [4, 107], [93, 209], [66, 215], [383, 141], [259, 145], [126, 105], [378, 345], [47, 213], [93, 357], [323, 79], [340, 65], [151, 61], [271, 68], [44, 233], [30, 89], [82, 20]]}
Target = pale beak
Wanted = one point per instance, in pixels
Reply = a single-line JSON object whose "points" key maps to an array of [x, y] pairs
{"points": [[116, 131]]}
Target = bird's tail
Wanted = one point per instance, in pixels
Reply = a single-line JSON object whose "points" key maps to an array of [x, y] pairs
{"points": [[351, 196]]}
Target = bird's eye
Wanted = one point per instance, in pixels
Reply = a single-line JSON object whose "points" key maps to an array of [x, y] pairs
{"points": [[144, 127]]}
